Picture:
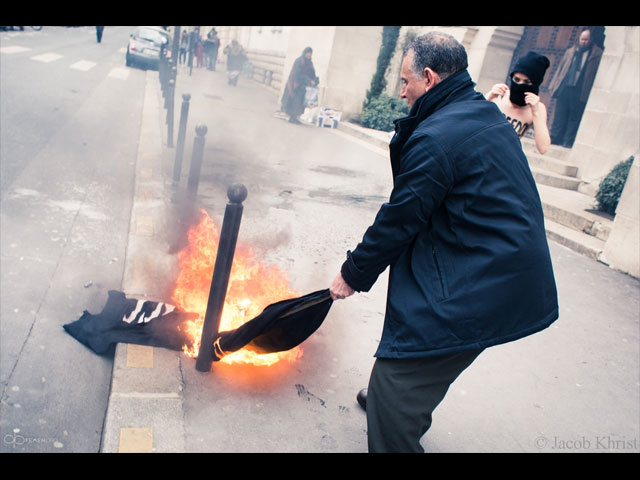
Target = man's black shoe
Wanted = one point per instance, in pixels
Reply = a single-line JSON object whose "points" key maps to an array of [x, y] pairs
{"points": [[362, 398]]}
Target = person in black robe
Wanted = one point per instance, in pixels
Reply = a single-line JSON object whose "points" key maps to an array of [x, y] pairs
{"points": [[302, 75]]}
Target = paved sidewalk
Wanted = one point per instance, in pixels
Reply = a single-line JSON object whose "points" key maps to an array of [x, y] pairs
{"points": [[573, 387]]}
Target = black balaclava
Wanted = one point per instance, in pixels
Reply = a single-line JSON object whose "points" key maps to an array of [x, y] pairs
{"points": [[517, 91], [533, 65]]}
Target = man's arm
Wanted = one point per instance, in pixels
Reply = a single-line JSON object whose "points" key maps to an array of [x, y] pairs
{"points": [[420, 187]]}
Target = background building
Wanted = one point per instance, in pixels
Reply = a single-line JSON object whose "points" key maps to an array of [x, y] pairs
{"points": [[345, 59]]}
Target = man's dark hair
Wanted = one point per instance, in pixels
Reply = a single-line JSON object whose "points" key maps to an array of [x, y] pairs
{"points": [[439, 51]]}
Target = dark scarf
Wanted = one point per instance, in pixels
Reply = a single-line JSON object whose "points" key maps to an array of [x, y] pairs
{"points": [[575, 69], [449, 90]]}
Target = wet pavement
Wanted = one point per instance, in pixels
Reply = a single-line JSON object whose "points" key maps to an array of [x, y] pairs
{"points": [[312, 193]]}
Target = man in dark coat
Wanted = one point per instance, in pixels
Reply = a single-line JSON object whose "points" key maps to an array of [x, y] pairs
{"points": [[302, 75], [463, 233], [571, 86]]}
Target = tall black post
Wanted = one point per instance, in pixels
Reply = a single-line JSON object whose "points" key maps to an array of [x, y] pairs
{"points": [[176, 45], [196, 159], [182, 131], [162, 68], [220, 279], [170, 95]]}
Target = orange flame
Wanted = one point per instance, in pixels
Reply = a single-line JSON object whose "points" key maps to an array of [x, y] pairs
{"points": [[252, 287]]}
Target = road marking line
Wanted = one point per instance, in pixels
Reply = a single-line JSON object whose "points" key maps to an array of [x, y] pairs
{"points": [[47, 57], [83, 65], [136, 440], [139, 356], [14, 49], [119, 73]]}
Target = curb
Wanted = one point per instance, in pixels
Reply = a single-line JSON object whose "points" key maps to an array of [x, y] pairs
{"points": [[145, 409]]}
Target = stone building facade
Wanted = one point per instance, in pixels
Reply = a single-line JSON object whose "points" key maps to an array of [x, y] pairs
{"points": [[345, 59]]}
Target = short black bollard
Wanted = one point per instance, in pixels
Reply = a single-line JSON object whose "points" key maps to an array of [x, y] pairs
{"points": [[176, 44], [196, 159], [220, 278], [166, 90], [170, 95], [182, 131], [165, 68]]}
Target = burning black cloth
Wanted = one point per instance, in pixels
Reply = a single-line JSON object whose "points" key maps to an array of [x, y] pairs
{"points": [[281, 326], [131, 320]]}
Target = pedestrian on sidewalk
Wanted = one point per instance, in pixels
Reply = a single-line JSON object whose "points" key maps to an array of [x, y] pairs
{"points": [[571, 86], [302, 75], [211, 47], [520, 102], [99, 31], [236, 58], [184, 43], [199, 53], [463, 236]]}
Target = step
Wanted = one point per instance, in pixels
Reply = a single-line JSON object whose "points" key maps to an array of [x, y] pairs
{"points": [[552, 179], [579, 242], [551, 164], [575, 210], [554, 151], [377, 137]]}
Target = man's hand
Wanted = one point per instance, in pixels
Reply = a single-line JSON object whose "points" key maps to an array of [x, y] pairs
{"points": [[339, 289]]}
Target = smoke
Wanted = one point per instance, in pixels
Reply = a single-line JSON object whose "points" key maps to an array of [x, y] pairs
{"points": [[265, 242]]}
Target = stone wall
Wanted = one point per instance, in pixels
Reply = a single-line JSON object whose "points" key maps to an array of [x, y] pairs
{"points": [[610, 128], [622, 250]]}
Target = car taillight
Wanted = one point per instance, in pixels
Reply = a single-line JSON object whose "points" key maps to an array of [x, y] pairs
{"points": [[132, 44]]}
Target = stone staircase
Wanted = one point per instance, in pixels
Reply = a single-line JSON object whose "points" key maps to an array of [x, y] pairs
{"points": [[571, 218]]}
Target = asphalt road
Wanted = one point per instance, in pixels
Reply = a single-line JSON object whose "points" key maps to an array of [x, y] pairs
{"points": [[70, 116]]}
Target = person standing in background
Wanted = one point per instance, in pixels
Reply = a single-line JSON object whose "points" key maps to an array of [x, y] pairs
{"points": [[571, 86], [520, 102]]}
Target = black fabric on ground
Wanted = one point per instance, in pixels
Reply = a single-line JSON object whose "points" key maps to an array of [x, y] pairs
{"points": [[281, 326], [131, 320]]}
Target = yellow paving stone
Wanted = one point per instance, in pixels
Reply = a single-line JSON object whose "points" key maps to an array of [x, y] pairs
{"points": [[136, 440], [145, 194], [144, 226], [146, 172], [139, 356]]}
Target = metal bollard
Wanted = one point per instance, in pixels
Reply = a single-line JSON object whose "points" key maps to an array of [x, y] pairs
{"points": [[196, 159], [170, 96], [176, 44], [182, 131], [220, 279], [164, 72], [168, 81]]}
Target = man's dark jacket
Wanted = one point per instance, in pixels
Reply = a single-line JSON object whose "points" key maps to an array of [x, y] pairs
{"points": [[463, 232]]}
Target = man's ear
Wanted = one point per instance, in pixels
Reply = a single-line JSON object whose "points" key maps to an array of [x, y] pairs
{"points": [[431, 78]]}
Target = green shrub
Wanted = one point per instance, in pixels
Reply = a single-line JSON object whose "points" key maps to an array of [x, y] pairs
{"points": [[381, 111], [379, 82], [611, 187]]}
